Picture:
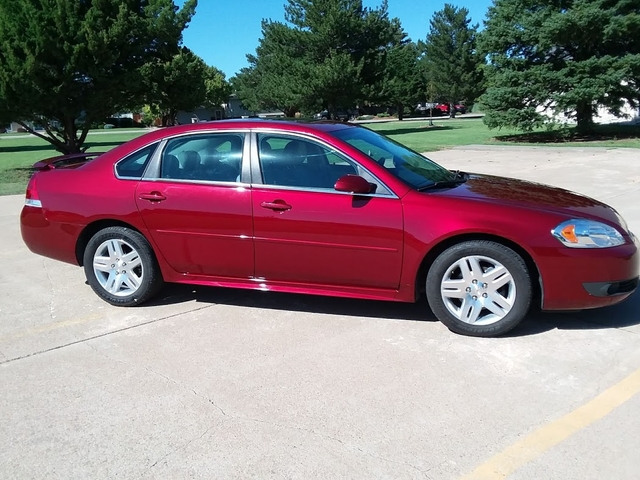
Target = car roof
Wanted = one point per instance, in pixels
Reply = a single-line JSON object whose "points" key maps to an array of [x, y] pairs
{"points": [[250, 123]]}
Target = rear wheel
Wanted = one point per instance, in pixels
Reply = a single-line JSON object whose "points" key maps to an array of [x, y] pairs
{"points": [[120, 267], [479, 288]]}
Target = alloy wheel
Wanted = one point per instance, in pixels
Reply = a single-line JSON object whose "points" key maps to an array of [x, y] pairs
{"points": [[478, 290], [118, 267]]}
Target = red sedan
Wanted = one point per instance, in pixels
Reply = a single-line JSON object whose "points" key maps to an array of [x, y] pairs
{"points": [[328, 209]]}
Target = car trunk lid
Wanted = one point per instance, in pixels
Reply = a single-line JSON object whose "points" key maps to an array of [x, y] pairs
{"points": [[73, 160]]}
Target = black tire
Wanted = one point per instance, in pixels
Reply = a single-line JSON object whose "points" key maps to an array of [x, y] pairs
{"points": [[481, 250], [148, 269]]}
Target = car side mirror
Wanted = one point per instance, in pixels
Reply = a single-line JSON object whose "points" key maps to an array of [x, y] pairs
{"points": [[353, 184]]}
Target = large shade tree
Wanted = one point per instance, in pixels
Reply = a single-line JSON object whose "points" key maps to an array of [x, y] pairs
{"points": [[183, 83], [451, 63], [67, 63], [551, 60]]}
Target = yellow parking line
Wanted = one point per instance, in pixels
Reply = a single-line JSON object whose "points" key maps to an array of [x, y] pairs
{"points": [[535, 444], [50, 327]]}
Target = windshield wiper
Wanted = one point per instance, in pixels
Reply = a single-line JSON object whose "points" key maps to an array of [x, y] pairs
{"points": [[458, 178]]}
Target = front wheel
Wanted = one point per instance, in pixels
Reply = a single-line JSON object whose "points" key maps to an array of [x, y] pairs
{"points": [[121, 267], [479, 288]]}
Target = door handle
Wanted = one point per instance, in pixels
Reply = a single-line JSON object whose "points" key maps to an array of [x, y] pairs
{"points": [[277, 205], [152, 197]]}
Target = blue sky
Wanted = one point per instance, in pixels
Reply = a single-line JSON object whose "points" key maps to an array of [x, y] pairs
{"points": [[222, 32]]}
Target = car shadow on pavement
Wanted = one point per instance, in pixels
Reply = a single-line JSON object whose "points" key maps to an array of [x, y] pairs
{"points": [[175, 293], [625, 314], [622, 315]]}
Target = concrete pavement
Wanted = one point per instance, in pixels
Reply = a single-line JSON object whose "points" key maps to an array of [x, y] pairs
{"points": [[215, 383]]}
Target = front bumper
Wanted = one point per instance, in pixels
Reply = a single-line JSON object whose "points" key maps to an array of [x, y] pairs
{"points": [[610, 289], [577, 279]]}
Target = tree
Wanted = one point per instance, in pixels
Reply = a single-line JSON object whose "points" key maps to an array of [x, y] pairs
{"points": [[177, 84], [217, 89], [402, 79], [278, 76], [450, 59], [67, 63], [326, 54], [550, 58]]}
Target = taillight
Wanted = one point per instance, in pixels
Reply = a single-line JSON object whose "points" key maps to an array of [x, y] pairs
{"points": [[31, 197]]}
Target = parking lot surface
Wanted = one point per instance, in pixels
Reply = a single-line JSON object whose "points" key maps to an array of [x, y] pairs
{"points": [[215, 383]]}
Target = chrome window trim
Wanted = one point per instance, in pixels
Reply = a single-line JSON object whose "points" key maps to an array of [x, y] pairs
{"points": [[322, 190], [154, 175], [305, 136], [115, 165], [197, 182]]}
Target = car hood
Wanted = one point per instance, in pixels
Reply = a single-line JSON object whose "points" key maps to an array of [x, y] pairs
{"points": [[521, 193]]}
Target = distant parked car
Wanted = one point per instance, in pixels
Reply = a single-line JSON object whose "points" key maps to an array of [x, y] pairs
{"points": [[343, 115], [325, 209], [443, 108], [428, 109]]}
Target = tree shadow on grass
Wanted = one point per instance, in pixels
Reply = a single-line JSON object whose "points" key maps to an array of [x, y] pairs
{"points": [[416, 129], [106, 145], [599, 134], [27, 148]]}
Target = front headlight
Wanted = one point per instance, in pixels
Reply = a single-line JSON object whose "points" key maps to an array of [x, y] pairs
{"points": [[580, 233]]}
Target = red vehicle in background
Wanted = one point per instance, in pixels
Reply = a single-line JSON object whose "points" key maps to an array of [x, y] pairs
{"points": [[329, 209], [443, 108]]}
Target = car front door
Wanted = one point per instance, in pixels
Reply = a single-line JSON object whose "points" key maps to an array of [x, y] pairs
{"points": [[196, 206], [306, 232]]}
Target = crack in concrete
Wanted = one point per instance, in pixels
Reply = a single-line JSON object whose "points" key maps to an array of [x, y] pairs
{"points": [[106, 334], [181, 448]]}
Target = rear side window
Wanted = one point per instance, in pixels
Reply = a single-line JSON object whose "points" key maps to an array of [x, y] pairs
{"points": [[135, 164], [209, 157]]}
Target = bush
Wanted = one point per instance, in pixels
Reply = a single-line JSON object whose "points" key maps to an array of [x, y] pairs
{"points": [[383, 115]]}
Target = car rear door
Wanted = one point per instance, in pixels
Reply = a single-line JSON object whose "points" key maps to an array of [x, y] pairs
{"points": [[307, 232], [197, 207]]}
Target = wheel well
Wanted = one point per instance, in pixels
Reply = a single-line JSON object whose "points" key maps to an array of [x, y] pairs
{"points": [[93, 228], [430, 257]]}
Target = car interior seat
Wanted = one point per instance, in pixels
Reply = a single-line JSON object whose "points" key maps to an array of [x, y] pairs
{"points": [[191, 164], [170, 167]]}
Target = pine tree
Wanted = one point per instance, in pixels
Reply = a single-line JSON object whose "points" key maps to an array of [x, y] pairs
{"points": [[402, 82], [327, 54], [450, 62], [564, 58]]}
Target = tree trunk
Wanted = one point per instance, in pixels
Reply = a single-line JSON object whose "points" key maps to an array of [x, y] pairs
{"points": [[290, 112], [400, 111], [452, 110], [65, 143], [333, 113], [584, 116]]}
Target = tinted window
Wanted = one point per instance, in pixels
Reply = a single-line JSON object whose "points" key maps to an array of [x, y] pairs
{"points": [[294, 162], [134, 165], [405, 164], [215, 157]]}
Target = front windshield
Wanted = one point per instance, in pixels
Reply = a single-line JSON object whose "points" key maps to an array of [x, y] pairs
{"points": [[405, 164]]}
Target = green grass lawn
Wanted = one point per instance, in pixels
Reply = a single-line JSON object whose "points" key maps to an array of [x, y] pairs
{"points": [[19, 153], [421, 137]]}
